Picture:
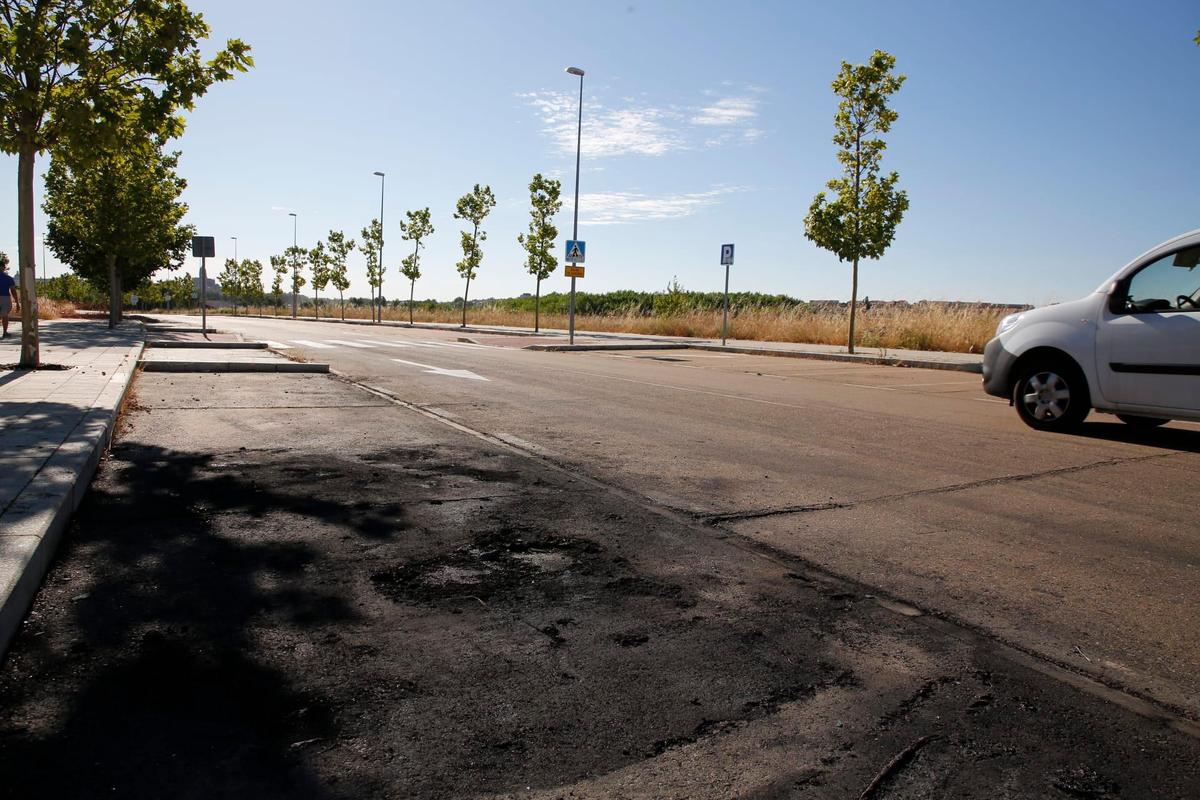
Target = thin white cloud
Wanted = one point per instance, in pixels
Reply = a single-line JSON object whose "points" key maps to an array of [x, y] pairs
{"points": [[620, 208], [728, 111], [634, 130], [640, 128]]}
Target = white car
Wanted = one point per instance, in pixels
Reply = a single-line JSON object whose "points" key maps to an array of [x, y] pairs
{"points": [[1131, 348]]}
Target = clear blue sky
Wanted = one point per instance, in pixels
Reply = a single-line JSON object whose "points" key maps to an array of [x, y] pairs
{"points": [[1042, 144]]}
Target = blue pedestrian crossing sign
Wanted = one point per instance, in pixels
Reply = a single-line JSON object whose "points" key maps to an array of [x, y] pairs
{"points": [[575, 251]]}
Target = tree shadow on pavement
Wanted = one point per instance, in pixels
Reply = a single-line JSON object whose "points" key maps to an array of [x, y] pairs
{"points": [[137, 673]]}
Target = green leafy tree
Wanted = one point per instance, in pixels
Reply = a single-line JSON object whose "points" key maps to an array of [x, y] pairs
{"points": [[296, 258], [116, 218], [177, 291], [474, 206], [251, 273], [339, 248], [71, 288], [73, 71], [545, 202], [230, 280], [318, 258], [279, 265], [372, 246], [860, 221], [415, 229]]}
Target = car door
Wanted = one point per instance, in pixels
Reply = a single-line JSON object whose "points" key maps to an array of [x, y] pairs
{"points": [[1148, 339]]}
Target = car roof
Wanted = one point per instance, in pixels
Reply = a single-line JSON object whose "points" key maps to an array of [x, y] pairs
{"points": [[1182, 240]]}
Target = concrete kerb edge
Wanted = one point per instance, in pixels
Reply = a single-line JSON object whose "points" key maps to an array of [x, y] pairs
{"points": [[856, 358], [232, 366], [886, 361], [572, 348], [25, 564], [168, 345]]}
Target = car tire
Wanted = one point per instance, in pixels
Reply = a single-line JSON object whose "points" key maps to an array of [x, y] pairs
{"points": [[1141, 422], [1051, 395]]}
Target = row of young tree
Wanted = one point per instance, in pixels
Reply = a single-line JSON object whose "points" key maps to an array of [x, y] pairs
{"points": [[326, 261]]}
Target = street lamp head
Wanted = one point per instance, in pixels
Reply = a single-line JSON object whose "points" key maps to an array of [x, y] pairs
{"points": [[575, 71], [380, 174], [291, 213]]}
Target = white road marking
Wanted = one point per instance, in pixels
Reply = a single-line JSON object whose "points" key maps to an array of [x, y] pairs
{"points": [[349, 344], [278, 345], [524, 444], [449, 373], [866, 386], [467, 345], [381, 343], [314, 345], [988, 400], [939, 383]]}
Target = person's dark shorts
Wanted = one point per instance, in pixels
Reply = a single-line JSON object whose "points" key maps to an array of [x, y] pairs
{"points": [[5, 306]]}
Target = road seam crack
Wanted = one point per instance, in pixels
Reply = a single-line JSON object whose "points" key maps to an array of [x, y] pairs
{"points": [[1000, 480]]}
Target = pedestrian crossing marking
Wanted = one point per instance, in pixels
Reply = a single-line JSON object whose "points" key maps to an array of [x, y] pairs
{"points": [[314, 345], [349, 344]]}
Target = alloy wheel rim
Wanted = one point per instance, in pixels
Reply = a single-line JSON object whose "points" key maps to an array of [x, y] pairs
{"points": [[1047, 396]]}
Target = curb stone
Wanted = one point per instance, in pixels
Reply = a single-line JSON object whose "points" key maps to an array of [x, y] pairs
{"points": [[888, 361], [170, 344], [232, 366], [35, 520]]}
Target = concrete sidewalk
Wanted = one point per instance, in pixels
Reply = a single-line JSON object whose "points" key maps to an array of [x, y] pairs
{"points": [[55, 424], [183, 349]]}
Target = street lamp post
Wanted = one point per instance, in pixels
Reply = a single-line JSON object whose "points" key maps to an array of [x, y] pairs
{"points": [[234, 247], [379, 296], [575, 223], [295, 263]]}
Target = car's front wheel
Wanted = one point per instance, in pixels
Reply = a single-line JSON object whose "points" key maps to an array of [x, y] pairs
{"points": [[1141, 422], [1051, 395]]}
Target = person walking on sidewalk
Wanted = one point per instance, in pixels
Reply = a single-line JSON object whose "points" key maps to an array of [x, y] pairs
{"points": [[8, 294]]}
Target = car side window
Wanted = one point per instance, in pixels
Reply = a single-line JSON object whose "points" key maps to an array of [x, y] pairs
{"points": [[1171, 283]]}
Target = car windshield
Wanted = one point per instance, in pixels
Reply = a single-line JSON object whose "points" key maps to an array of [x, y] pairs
{"points": [[1172, 283]]}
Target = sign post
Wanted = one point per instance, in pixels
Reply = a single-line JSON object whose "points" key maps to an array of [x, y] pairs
{"points": [[727, 261], [576, 251], [204, 247]]}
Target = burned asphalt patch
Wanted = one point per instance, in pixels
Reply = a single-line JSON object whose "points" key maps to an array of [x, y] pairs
{"points": [[387, 608]]}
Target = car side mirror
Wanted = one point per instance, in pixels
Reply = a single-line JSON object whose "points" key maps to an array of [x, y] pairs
{"points": [[1118, 297]]}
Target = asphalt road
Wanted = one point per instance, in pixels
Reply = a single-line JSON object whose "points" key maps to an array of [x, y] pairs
{"points": [[286, 586], [1083, 549]]}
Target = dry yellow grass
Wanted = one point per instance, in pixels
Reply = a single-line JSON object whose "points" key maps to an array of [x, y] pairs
{"points": [[963, 328], [54, 309]]}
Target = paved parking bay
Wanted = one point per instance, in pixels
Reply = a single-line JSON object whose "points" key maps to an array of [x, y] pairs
{"points": [[1081, 548]]}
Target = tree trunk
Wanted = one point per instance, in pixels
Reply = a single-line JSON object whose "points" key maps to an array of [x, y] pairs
{"points": [[853, 304], [316, 303], [342, 300], [465, 292], [537, 305], [412, 290], [114, 296], [857, 236], [26, 278]]}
